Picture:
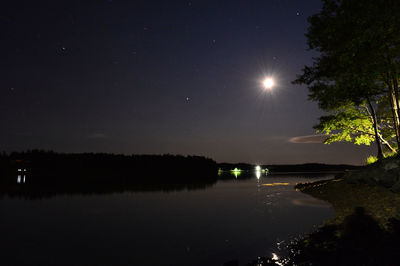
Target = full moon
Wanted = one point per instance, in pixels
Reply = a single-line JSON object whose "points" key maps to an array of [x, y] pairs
{"points": [[268, 83]]}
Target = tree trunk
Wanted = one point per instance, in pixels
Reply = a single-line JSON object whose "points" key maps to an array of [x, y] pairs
{"points": [[387, 144], [391, 80], [377, 140], [396, 99], [395, 111]]}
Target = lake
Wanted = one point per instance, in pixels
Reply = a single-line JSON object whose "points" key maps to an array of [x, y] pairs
{"points": [[231, 220]]}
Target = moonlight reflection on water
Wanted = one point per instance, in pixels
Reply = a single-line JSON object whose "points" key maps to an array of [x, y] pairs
{"points": [[232, 220]]}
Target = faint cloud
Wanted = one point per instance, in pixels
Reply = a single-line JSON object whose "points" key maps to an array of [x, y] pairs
{"points": [[274, 138], [309, 139], [97, 136]]}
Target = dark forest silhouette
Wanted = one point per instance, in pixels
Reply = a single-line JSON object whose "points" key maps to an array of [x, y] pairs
{"points": [[45, 173]]}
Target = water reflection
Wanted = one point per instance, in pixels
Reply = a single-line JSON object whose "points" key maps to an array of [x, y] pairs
{"points": [[21, 179], [236, 172], [276, 184], [21, 175], [25, 190], [38, 188], [258, 174], [207, 224], [276, 259]]}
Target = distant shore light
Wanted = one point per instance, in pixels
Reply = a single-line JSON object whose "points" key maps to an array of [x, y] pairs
{"points": [[236, 172]]}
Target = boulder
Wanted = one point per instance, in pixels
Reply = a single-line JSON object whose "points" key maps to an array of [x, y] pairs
{"points": [[396, 187], [388, 179], [392, 164], [383, 173]]}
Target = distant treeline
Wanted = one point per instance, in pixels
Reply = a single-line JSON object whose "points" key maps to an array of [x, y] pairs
{"points": [[311, 167], [51, 168], [287, 168]]}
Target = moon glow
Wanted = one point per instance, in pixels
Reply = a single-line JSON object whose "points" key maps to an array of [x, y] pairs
{"points": [[268, 83]]}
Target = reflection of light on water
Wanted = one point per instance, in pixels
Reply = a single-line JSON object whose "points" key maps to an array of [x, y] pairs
{"points": [[259, 171], [276, 184], [275, 258], [236, 172], [219, 171], [310, 202], [21, 179], [258, 174]]}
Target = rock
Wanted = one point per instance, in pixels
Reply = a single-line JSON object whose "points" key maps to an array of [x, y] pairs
{"points": [[390, 165], [353, 178], [396, 187], [388, 179], [340, 175], [385, 173]]}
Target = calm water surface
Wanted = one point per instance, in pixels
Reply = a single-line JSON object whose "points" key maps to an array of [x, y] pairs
{"points": [[232, 220]]}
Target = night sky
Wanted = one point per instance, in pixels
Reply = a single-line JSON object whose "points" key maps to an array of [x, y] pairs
{"points": [[154, 77]]}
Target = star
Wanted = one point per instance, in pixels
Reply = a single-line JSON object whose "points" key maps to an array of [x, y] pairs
{"points": [[62, 50]]}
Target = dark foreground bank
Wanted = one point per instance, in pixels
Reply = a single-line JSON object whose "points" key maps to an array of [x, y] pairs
{"points": [[366, 229]]}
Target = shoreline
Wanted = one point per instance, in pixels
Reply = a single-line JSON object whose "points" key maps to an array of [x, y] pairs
{"points": [[378, 202], [366, 227], [364, 231]]}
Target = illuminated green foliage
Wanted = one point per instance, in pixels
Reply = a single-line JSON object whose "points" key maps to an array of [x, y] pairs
{"points": [[371, 159], [347, 123], [358, 66]]}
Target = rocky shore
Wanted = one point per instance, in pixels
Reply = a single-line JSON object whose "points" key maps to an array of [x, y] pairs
{"points": [[366, 229]]}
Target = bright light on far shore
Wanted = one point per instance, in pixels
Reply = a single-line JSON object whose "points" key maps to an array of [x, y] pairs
{"points": [[268, 83]]}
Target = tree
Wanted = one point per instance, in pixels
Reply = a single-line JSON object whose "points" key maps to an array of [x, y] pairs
{"points": [[358, 43], [353, 124]]}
